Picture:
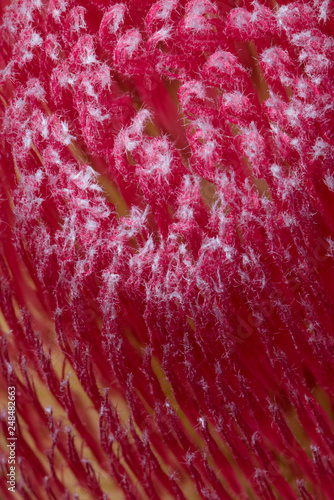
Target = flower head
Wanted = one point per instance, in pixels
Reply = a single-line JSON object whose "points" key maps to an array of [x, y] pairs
{"points": [[166, 243]]}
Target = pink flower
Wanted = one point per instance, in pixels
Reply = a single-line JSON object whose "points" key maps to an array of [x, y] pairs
{"points": [[167, 246]]}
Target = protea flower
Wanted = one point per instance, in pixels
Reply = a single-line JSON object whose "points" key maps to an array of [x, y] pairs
{"points": [[167, 240]]}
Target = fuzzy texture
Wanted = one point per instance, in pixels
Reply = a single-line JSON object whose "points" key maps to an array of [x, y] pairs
{"points": [[167, 243]]}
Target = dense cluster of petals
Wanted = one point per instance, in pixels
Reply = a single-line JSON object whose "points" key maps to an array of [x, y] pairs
{"points": [[167, 245]]}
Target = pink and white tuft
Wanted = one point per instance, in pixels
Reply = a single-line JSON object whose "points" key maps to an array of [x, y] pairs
{"points": [[166, 250]]}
